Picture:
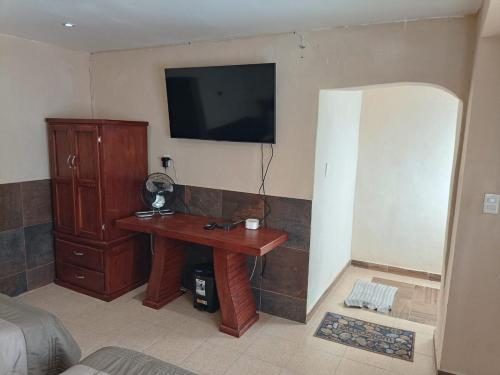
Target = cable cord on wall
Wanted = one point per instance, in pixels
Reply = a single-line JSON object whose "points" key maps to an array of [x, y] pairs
{"points": [[267, 207], [254, 267], [176, 180], [263, 176], [175, 172]]}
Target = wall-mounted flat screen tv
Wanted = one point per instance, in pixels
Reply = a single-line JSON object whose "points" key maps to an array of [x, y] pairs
{"points": [[223, 103]]}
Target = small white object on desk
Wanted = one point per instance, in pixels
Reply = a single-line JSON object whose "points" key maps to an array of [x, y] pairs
{"points": [[252, 223]]}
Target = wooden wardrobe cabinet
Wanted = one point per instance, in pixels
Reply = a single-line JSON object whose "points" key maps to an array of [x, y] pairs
{"points": [[97, 168]]}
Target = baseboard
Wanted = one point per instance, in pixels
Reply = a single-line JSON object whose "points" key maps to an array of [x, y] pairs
{"points": [[323, 296], [396, 270]]}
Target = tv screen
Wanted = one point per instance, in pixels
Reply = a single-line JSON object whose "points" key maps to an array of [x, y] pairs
{"points": [[223, 103]]}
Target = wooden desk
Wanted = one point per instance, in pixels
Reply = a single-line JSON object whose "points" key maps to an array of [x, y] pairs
{"points": [[229, 249]]}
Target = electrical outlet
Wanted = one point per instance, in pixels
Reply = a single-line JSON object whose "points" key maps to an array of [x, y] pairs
{"points": [[166, 160], [491, 204]]}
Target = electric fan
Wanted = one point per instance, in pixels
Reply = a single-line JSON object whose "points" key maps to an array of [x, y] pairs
{"points": [[157, 194]]}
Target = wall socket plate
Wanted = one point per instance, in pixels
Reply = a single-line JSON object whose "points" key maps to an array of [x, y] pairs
{"points": [[491, 204], [169, 162]]}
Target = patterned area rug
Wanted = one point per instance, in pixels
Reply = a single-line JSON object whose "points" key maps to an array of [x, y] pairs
{"points": [[394, 342]]}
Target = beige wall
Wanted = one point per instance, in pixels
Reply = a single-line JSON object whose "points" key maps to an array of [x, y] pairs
{"points": [[334, 185], [406, 147], [37, 80], [130, 85], [467, 342]]}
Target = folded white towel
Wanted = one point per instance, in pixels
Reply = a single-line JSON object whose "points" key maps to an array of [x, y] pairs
{"points": [[372, 296]]}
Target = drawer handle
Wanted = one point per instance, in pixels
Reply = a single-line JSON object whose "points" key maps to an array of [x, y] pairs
{"points": [[78, 254], [79, 277]]}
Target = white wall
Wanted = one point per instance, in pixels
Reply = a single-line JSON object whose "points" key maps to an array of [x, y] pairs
{"points": [[334, 186], [468, 329], [37, 80], [130, 85], [406, 147]]}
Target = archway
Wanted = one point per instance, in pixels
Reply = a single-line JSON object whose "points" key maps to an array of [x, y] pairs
{"points": [[332, 225]]}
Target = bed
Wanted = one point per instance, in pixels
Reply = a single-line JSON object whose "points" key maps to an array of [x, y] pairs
{"points": [[119, 361], [33, 341]]}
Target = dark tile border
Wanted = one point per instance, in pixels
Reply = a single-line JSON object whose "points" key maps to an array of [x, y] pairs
{"points": [[26, 236], [12, 252], [40, 276], [203, 201], [11, 207], [282, 290], [14, 285], [237, 206], [286, 272], [283, 306], [36, 202], [39, 242], [293, 216], [396, 270]]}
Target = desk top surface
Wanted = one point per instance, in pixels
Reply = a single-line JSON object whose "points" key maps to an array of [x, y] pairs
{"points": [[189, 228]]}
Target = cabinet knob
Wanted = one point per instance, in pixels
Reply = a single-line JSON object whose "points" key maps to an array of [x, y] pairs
{"points": [[78, 254], [79, 277]]}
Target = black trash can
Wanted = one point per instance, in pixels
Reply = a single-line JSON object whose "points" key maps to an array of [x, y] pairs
{"points": [[205, 292]]}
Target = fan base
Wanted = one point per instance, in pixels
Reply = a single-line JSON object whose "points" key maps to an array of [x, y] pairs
{"points": [[162, 212]]}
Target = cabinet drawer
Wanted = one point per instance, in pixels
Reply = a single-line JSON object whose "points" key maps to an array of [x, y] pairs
{"points": [[81, 277], [79, 255]]}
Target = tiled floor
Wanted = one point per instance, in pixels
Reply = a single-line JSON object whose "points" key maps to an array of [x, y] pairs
{"points": [[183, 336], [413, 302]]}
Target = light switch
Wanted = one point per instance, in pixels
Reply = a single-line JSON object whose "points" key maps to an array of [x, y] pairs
{"points": [[491, 204]]}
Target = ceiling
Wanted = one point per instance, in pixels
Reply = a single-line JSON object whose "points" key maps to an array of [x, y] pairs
{"points": [[121, 24]]}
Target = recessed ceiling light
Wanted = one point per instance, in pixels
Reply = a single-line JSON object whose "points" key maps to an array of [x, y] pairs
{"points": [[68, 24]]}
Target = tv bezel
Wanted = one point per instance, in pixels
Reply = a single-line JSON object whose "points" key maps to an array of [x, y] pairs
{"points": [[222, 140]]}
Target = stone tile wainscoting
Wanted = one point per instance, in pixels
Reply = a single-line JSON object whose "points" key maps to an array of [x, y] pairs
{"points": [[280, 278], [26, 243]]}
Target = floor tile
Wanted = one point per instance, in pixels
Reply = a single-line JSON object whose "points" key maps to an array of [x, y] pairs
{"points": [[179, 334], [240, 344], [246, 365], [369, 358], [210, 360], [137, 335], [319, 344], [287, 329], [349, 367], [417, 303], [307, 361], [424, 344], [272, 349], [421, 364], [174, 348]]}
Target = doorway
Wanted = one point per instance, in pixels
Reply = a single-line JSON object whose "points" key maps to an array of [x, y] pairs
{"points": [[383, 176]]}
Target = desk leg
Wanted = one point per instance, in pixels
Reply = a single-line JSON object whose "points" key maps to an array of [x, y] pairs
{"points": [[236, 298], [166, 273]]}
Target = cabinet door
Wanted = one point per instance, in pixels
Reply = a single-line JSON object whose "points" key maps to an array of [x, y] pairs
{"points": [[61, 155], [87, 184]]}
